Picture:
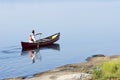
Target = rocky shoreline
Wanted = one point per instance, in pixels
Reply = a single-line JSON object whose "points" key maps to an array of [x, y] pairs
{"points": [[78, 71]]}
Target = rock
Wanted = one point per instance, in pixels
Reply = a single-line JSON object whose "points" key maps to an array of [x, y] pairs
{"points": [[114, 56], [95, 57], [98, 55], [63, 76]]}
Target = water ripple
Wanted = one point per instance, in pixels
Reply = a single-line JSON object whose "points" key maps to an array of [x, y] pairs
{"points": [[12, 49]]}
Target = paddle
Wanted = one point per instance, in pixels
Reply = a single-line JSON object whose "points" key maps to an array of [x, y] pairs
{"points": [[38, 34], [38, 42]]}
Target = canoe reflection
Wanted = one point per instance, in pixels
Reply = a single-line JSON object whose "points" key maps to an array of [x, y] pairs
{"points": [[34, 54]]}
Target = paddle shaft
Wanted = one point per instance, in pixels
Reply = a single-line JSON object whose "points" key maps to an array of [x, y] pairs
{"points": [[38, 34]]}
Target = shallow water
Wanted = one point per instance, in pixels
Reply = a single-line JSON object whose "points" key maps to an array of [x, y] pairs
{"points": [[86, 27]]}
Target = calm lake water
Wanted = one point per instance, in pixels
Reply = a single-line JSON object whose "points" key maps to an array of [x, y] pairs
{"points": [[86, 27]]}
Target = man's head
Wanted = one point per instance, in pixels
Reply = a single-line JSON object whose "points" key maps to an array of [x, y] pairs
{"points": [[33, 31]]}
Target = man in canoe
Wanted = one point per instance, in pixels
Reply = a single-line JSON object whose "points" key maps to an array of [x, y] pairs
{"points": [[32, 36]]}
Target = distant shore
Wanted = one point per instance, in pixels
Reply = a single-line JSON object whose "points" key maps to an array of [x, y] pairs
{"points": [[78, 71]]}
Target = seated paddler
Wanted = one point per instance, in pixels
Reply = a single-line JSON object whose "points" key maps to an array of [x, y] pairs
{"points": [[31, 38]]}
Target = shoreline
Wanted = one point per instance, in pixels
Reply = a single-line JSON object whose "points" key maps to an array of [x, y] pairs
{"points": [[77, 71]]}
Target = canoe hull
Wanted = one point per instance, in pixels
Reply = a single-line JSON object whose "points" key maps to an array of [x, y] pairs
{"points": [[41, 42]]}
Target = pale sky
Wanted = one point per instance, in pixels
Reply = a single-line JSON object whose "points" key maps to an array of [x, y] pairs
{"points": [[63, 13], [88, 17], [6, 1]]}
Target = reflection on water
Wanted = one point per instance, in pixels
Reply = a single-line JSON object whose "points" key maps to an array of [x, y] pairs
{"points": [[34, 54]]}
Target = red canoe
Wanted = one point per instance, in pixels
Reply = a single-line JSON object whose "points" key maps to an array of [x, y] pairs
{"points": [[41, 42]]}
